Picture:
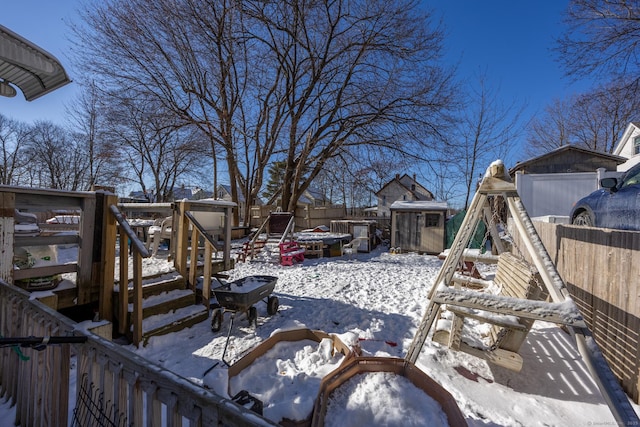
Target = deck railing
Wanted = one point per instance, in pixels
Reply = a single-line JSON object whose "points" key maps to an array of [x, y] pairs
{"points": [[47, 385], [138, 251]]}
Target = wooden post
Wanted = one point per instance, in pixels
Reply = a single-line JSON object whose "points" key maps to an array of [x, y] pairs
{"points": [[206, 274], [136, 316], [226, 252], [123, 295], [7, 223], [182, 238], [88, 252], [104, 253], [193, 259]]}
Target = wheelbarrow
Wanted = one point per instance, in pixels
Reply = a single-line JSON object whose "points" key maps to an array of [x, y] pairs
{"points": [[239, 296]]}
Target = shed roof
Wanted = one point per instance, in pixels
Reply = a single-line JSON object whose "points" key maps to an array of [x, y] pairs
{"points": [[418, 205], [521, 166], [32, 69]]}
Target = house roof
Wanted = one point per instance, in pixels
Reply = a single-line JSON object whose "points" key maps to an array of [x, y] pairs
{"points": [[400, 180], [560, 150], [32, 69], [631, 127]]}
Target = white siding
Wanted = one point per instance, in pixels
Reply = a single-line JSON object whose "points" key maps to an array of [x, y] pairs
{"points": [[556, 193]]}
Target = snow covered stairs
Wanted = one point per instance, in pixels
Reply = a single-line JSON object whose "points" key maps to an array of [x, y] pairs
{"points": [[168, 306]]}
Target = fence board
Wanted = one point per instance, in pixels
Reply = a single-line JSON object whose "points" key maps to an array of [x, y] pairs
{"points": [[130, 386], [597, 267]]}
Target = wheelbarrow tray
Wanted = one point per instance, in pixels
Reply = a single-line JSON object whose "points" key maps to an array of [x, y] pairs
{"points": [[241, 294]]}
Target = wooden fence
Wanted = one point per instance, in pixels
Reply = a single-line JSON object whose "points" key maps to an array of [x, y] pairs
{"points": [[305, 216], [97, 377], [601, 269]]}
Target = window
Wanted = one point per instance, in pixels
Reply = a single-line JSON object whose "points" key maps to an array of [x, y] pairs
{"points": [[636, 145], [384, 200], [431, 220]]}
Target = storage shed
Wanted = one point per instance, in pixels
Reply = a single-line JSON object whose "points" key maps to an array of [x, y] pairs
{"points": [[418, 226]]}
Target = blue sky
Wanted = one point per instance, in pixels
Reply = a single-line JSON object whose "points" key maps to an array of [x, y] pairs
{"points": [[508, 40]]}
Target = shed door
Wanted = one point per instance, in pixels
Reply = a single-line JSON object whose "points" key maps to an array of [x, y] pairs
{"points": [[408, 228]]}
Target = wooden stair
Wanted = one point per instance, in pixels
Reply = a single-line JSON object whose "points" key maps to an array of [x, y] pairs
{"points": [[168, 306]]}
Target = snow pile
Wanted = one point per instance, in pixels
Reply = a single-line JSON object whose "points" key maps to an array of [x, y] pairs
{"points": [[382, 399], [287, 377]]}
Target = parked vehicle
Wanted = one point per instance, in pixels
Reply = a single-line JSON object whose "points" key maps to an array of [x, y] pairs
{"points": [[616, 205]]}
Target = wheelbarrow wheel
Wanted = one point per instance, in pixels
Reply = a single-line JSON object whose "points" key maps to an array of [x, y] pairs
{"points": [[252, 316], [272, 305], [216, 320]]}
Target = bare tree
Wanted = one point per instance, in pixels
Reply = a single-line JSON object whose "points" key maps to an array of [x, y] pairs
{"points": [[486, 130], [277, 81], [602, 40], [158, 151], [551, 129], [86, 117], [595, 120], [55, 159], [353, 74], [13, 135]]}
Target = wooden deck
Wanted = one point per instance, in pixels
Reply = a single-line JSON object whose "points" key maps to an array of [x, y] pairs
{"points": [[200, 246]]}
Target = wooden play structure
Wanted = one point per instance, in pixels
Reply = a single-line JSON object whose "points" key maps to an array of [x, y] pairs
{"points": [[103, 234], [527, 293], [274, 240]]}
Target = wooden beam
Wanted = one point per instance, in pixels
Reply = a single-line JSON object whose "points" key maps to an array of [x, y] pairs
{"points": [[7, 224], [566, 314]]}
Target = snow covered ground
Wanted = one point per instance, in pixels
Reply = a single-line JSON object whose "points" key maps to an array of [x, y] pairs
{"points": [[377, 300]]}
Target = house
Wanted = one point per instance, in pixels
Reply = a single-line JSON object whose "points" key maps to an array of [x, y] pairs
{"points": [[223, 192], [309, 198], [629, 147], [400, 188], [177, 193], [550, 184]]}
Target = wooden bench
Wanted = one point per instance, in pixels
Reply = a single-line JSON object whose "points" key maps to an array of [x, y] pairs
{"points": [[290, 253], [510, 320], [313, 248]]}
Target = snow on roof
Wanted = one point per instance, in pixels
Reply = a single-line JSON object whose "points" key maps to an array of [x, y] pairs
{"points": [[419, 205]]}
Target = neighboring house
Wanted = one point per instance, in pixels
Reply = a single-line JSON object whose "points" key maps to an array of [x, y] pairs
{"points": [[224, 193], [179, 193], [550, 184], [629, 147], [136, 197], [313, 197], [310, 197], [401, 188], [190, 193]]}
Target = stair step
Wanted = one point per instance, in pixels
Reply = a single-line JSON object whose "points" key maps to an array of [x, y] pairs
{"points": [[156, 285], [175, 321], [166, 302]]}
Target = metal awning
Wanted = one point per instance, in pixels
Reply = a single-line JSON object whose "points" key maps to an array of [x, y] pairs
{"points": [[23, 64]]}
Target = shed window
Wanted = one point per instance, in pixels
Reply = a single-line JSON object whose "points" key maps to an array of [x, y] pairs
{"points": [[636, 145], [431, 220]]}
